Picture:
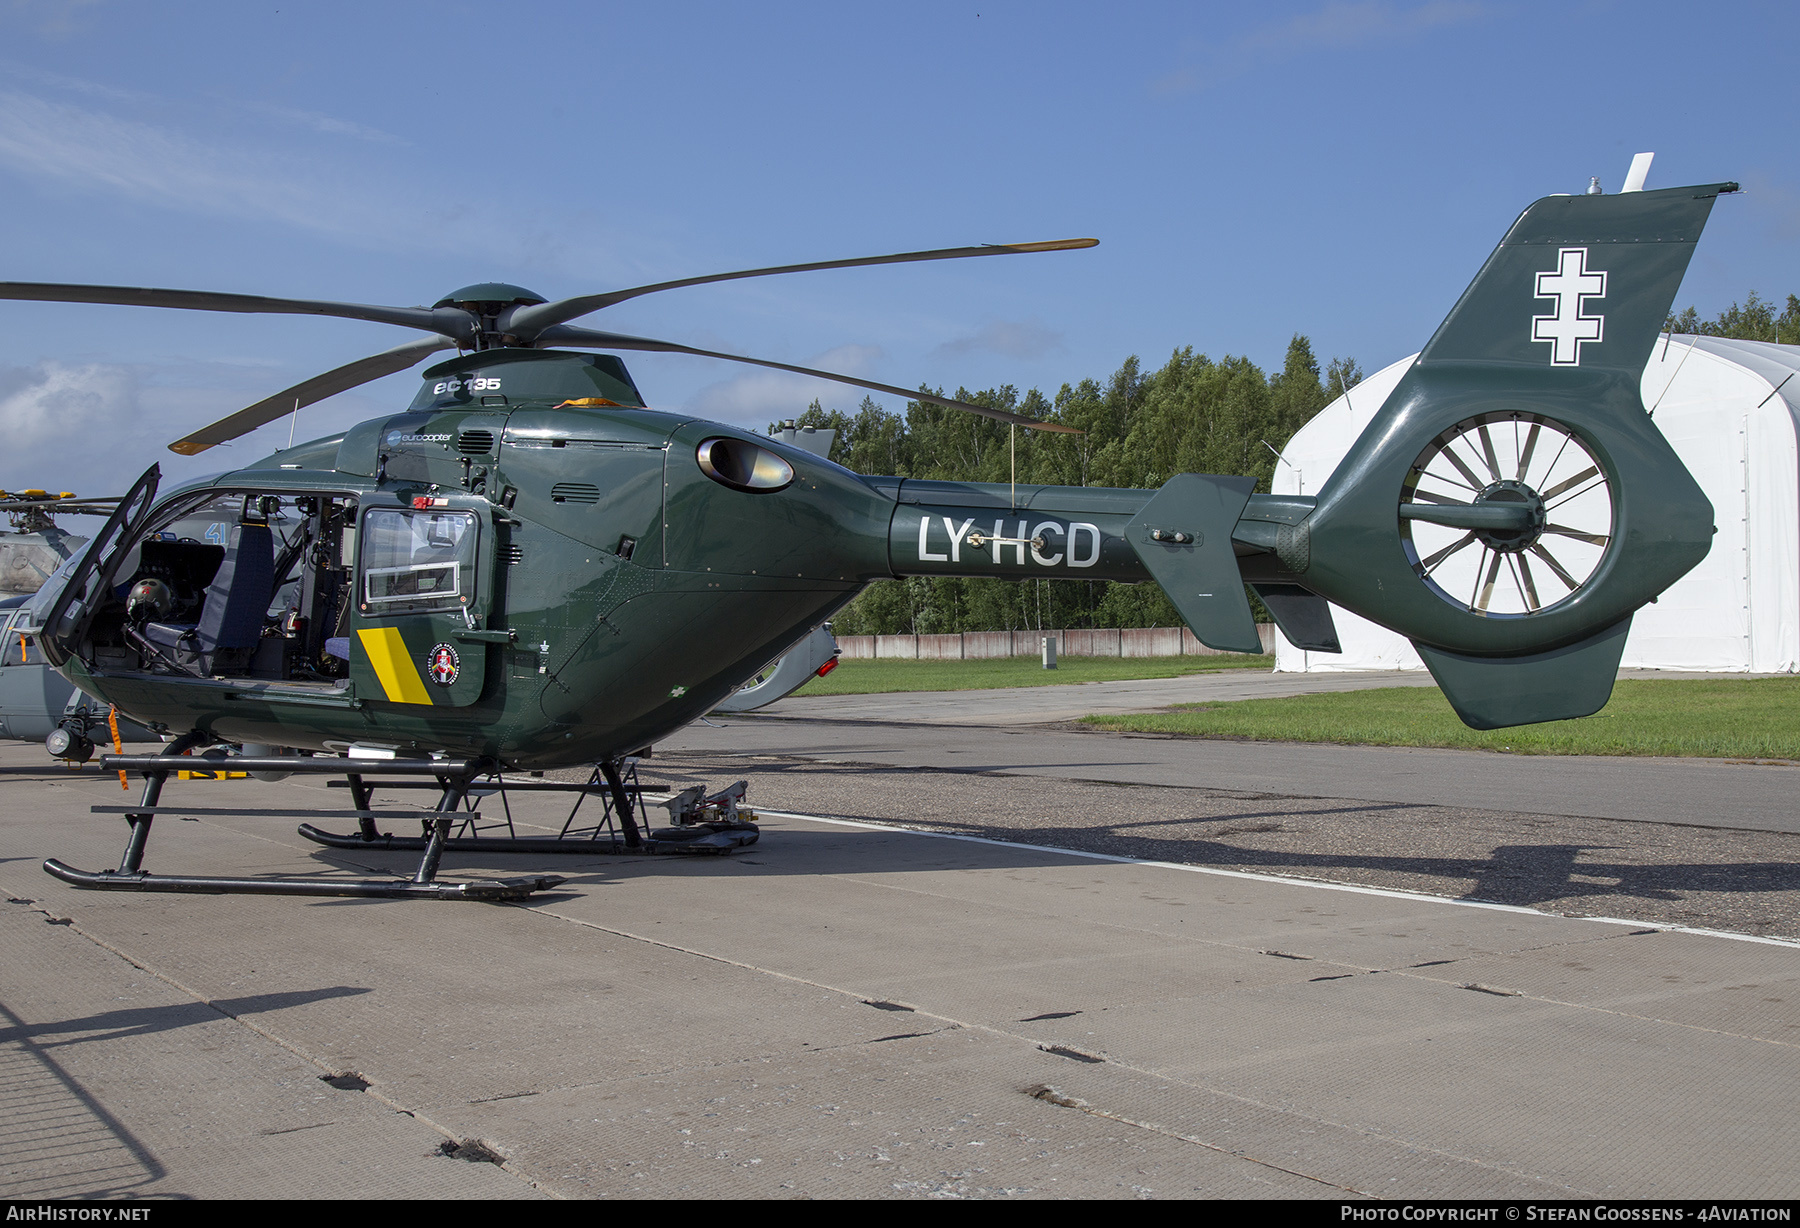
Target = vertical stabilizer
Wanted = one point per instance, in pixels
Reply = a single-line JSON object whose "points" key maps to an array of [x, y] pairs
{"points": [[1512, 504], [1580, 283]]}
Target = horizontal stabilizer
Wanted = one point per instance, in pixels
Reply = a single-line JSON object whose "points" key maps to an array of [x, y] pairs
{"points": [[1559, 685], [1183, 536], [1303, 616]]}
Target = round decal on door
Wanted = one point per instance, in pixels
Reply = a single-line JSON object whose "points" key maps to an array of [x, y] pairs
{"points": [[442, 664]]}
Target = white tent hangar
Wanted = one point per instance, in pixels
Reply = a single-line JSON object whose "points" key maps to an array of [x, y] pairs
{"points": [[1731, 411]]}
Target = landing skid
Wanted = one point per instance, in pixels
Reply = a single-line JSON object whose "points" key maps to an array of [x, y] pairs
{"points": [[399, 889], [453, 778]]}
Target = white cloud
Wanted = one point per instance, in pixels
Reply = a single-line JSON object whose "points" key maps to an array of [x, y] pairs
{"points": [[93, 427], [1338, 24], [759, 397], [93, 150], [62, 403], [208, 165], [18, 72], [317, 121], [73, 426], [346, 195], [1012, 338], [54, 18]]}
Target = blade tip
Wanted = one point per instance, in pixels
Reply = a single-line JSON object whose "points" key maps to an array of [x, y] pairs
{"points": [[1052, 245], [188, 447]]}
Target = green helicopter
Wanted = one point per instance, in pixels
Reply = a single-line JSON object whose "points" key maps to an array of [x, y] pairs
{"points": [[528, 569]]}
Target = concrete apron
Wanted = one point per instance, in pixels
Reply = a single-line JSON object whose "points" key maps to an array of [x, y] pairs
{"points": [[847, 1010]]}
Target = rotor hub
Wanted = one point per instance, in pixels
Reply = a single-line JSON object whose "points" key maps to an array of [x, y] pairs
{"points": [[490, 296], [1512, 541], [490, 304]]}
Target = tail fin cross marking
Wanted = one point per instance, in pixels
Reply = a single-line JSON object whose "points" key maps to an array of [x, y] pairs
{"points": [[1569, 283]]}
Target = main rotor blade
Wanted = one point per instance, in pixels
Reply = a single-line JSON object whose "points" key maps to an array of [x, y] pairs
{"points": [[423, 318], [348, 376], [527, 323], [587, 338]]}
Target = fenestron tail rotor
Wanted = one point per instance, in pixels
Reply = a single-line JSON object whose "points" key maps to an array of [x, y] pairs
{"points": [[491, 316], [1506, 514]]}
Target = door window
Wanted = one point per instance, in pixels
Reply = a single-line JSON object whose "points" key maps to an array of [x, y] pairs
{"points": [[417, 560]]}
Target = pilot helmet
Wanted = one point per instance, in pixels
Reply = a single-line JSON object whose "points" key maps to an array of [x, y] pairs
{"points": [[149, 599]]}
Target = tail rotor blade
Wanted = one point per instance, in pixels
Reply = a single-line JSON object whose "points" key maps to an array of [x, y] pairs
{"points": [[587, 338], [343, 378], [529, 322]]}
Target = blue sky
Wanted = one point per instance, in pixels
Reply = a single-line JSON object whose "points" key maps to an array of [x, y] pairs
{"points": [[1337, 169]]}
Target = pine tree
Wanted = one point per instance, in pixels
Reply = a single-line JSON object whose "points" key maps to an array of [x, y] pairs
{"points": [[1296, 394], [1754, 320], [1139, 429], [1341, 375]]}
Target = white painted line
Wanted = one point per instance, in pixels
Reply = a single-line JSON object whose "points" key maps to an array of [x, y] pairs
{"points": [[1318, 884]]}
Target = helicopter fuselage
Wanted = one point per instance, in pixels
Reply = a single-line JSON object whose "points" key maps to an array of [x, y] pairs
{"points": [[529, 566], [495, 572]]}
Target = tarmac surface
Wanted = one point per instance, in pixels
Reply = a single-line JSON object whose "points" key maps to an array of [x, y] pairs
{"points": [[993, 958], [1004, 730]]}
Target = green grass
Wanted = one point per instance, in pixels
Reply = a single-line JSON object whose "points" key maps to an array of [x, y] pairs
{"points": [[882, 676], [1730, 718]]}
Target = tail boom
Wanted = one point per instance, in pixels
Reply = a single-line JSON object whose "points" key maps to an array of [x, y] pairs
{"points": [[1508, 508]]}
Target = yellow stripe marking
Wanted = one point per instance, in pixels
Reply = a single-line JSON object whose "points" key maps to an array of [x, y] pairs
{"points": [[394, 668]]}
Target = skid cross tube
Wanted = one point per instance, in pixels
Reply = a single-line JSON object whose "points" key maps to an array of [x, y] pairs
{"points": [[317, 765], [520, 786], [453, 777], [207, 812], [699, 839]]}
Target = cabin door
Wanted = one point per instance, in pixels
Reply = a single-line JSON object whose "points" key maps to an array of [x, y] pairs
{"points": [[69, 609], [424, 587]]}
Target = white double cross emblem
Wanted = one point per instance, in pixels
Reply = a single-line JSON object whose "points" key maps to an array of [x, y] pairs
{"points": [[1568, 328]]}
